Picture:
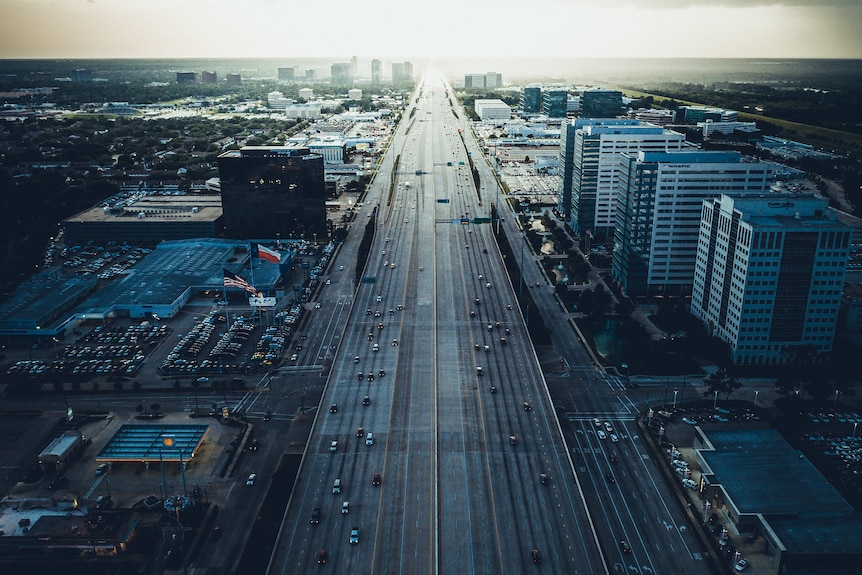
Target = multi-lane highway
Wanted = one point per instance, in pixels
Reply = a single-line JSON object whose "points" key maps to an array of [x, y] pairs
{"points": [[467, 469], [459, 465]]}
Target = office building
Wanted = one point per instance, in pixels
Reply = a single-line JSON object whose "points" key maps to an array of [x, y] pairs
{"points": [[376, 73], [209, 77], [659, 203], [287, 74], [402, 74], [709, 127], [531, 100], [493, 80], [492, 110], [342, 75], [354, 67], [555, 103], [233, 79], [659, 117], [695, 114], [187, 77], [310, 74], [272, 191], [567, 150], [82, 75], [769, 274], [598, 147], [354, 94], [599, 103]]}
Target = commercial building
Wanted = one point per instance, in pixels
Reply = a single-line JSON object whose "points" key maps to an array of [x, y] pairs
{"points": [[598, 147], [147, 219], [769, 274], [773, 494], [341, 74], [709, 127], [233, 79], [354, 94], [531, 100], [305, 93], [209, 77], [272, 191], [376, 73], [555, 103], [82, 75], [598, 103], [187, 77], [402, 74], [659, 203], [330, 148], [659, 117], [486, 80], [287, 74], [695, 114], [490, 110], [566, 164]]}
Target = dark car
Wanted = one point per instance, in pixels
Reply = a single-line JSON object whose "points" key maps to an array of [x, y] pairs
{"points": [[527, 406], [366, 400], [360, 432], [216, 532], [610, 478], [624, 545], [322, 555], [543, 477], [536, 555], [333, 408], [375, 479], [315, 516]]}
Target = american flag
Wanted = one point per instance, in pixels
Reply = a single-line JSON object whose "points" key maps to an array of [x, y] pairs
{"points": [[233, 280]]}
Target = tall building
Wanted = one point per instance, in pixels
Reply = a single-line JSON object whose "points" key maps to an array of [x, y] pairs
{"points": [[288, 74], [310, 74], [354, 67], [493, 80], [492, 110], [82, 75], [474, 81], [233, 79], [531, 99], [555, 103], [272, 191], [402, 74], [376, 73], [695, 114], [209, 77], [341, 74], [598, 147], [187, 77], [599, 103], [659, 203], [769, 274], [567, 150]]}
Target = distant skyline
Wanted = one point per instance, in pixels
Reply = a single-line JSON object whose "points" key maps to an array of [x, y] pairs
{"points": [[443, 29]]}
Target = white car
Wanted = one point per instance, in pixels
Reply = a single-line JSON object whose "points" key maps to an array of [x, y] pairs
{"points": [[601, 433], [741, 565], [345, 507], [251, 478]]}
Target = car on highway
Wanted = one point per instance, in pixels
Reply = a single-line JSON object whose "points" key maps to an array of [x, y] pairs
{"points": [[251, 479], [333, 408], [294, 357], [345, 507], [689, 421], [527, 406], [355, 359], [315, 516], [613, 457], [513, 440], [610, 478], [366, 400], [493, 389], [101, 468], [543, 477], [360, 375], [741, 565], [370, 376], [608, 427], [536, 556], [369, 439], [597, 423], [375, 347], [336, 486], [360, 432], [614, 437], [624, 545], [333, 446], [375, 479], [601, 433], [322, 555], [354, 536]]}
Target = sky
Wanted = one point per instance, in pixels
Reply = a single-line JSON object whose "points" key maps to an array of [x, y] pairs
{"points": [[435, 28]]}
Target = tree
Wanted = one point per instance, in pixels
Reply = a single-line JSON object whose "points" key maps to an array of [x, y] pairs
{"points": [[154, 407], [721, 382]]}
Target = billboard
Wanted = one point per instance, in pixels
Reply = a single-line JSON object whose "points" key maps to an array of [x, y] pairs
{"points": [[260, 301]]}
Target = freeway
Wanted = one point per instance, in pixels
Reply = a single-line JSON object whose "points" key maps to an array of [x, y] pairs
{"points": [[459, 463]]}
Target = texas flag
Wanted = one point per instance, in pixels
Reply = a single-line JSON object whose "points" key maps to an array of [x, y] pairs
{"points": [[265, 253]]}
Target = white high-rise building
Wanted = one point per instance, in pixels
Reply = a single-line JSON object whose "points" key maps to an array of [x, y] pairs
{"points": [[598, 148], [658, 213], [769, 274]]}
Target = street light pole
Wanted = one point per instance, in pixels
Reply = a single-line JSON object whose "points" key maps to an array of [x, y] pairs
{"points": [[715, 399], [674, 399], [835, 403], [756, 391]]}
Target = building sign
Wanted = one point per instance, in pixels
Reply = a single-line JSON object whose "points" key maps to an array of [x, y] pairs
{"points": [[260, 301]]}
